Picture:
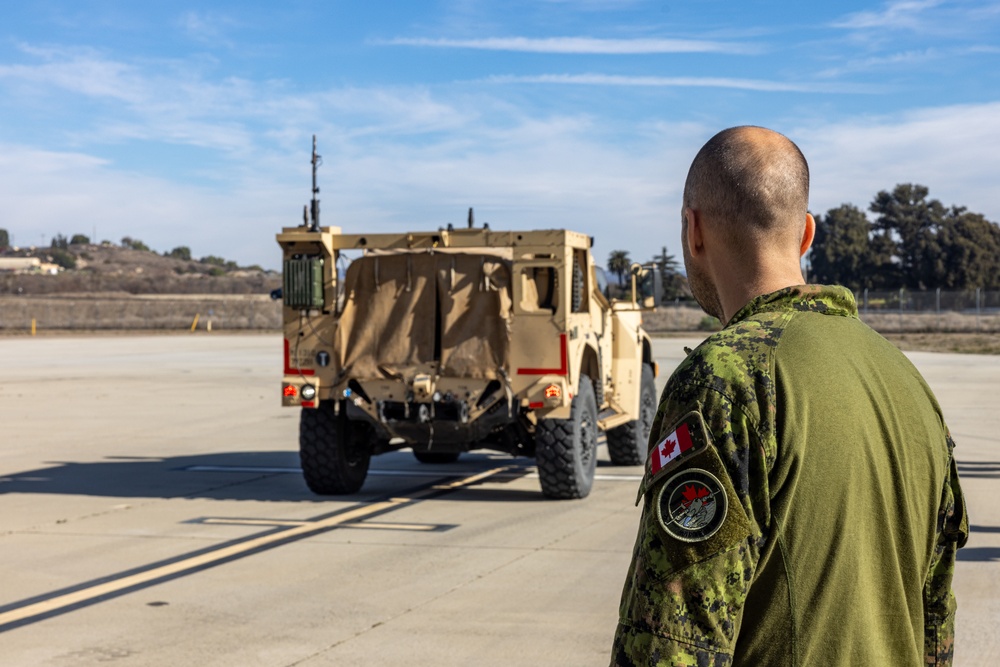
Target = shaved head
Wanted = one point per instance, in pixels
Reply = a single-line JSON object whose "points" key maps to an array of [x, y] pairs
{"points": [[752, 182], [745, 220]]}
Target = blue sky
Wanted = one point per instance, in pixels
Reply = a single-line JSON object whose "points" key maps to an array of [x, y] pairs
{"points": [[191, 124]]}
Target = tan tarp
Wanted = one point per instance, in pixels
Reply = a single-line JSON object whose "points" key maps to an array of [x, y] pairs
{"points": [[408, 309]]}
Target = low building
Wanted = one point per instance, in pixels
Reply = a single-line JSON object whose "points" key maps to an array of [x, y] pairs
{"points": [[27, 265]]}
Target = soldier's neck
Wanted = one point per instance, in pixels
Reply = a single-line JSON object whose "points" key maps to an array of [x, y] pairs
{"points": [[738, 288]]}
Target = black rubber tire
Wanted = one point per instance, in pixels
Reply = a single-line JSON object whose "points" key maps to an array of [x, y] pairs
{"points": [[627, 444], [436, 457], [566, 449], [334, 451]]}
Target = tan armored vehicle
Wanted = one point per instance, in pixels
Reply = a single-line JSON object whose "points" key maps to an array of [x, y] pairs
{"points": [[459, 339]]}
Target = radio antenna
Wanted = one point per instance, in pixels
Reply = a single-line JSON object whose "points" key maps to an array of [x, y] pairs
{"points": [[316, 161]]}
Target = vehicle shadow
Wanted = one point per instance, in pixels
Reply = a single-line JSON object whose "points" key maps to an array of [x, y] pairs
{"points": [[980, 554], [261, 476], [194, 476], [984, 529]]}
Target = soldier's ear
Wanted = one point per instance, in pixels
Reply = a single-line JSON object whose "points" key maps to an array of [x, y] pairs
{"points": [[694, 231], [807, 234]]}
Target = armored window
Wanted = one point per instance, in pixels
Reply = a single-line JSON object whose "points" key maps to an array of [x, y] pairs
{"points": [[539, 288]]}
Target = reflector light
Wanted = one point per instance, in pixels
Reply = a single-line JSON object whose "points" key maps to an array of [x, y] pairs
{"points": [[553, 391], [290, 391]]}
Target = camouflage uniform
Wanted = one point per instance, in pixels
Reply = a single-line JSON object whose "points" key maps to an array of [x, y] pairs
{"points": [[801, 502]]}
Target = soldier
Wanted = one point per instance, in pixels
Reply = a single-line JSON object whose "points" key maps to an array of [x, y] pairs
{"points": [[801, 502]]}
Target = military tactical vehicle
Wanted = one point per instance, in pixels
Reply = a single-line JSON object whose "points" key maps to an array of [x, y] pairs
{"points": [[459, 339]]}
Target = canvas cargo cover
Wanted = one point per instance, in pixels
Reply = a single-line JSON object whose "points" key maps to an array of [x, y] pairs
{"points": [[404, 310]]}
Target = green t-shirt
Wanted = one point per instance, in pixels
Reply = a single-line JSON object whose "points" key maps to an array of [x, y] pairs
{"points": [[801, 502]]}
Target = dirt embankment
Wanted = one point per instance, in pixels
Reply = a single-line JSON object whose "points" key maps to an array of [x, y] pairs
{"points": [[111, 288], [110, 269]]}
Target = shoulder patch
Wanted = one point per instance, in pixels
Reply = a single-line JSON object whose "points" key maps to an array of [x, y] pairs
{"points": [[692, 505], [685, 439], [691, 515]]}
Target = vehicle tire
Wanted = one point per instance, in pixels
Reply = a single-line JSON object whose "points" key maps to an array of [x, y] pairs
{"points": [[436, 457], [334, 451], [627, 444], [566, 449]]}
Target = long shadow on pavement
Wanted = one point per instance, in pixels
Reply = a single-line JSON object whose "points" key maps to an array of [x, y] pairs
{"points": [[991, 554], [268, 476]]}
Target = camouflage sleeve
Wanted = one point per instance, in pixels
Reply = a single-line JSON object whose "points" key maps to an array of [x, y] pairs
{"points": [[683, 598], [939, 601]]}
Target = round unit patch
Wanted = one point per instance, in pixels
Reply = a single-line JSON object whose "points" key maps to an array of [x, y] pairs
{"points": [[692, 505]]}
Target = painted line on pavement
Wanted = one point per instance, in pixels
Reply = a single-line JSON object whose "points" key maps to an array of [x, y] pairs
{"points": [[62, 601]]}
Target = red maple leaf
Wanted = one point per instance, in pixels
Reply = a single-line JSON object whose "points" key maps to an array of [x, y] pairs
{"points": [[692, 493]]}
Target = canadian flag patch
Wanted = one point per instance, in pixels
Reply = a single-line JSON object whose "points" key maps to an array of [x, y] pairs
{"points": [[670, 449]]}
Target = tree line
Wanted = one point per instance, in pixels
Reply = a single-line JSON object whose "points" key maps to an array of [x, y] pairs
{"points": [[911, 241], [673, 282]]}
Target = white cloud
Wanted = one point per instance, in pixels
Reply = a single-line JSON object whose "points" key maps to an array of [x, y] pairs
{"points": [[207, 28], [408, 158], [760, 85], [906, 60], [891, 61], [898, 14], [560, 171], [964, 20], [78, 71], [536, 173], [953, 150], [49, 192], [597, 5], [543, 173], [582, 45], [172, 102]]}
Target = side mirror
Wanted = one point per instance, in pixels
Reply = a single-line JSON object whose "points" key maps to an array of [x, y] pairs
{"points": [[643, 286]]}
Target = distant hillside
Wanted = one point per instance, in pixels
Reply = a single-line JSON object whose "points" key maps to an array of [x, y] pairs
{"points": [[133, 269]]}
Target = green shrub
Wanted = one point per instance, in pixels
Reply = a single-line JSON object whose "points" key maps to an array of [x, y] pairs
{"points": [[62, 258], [213, 260], [180, 252], [709, 323]]}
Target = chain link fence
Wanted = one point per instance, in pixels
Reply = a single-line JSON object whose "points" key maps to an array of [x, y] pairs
{"points": [[912, 311], [148, 312], [887, 311]]}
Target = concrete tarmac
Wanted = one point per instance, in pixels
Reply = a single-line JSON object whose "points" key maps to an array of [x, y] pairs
{"points": [[152, 513]]}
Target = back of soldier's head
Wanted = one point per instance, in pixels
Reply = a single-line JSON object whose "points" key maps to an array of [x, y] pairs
{"points": [[752, 182]]}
